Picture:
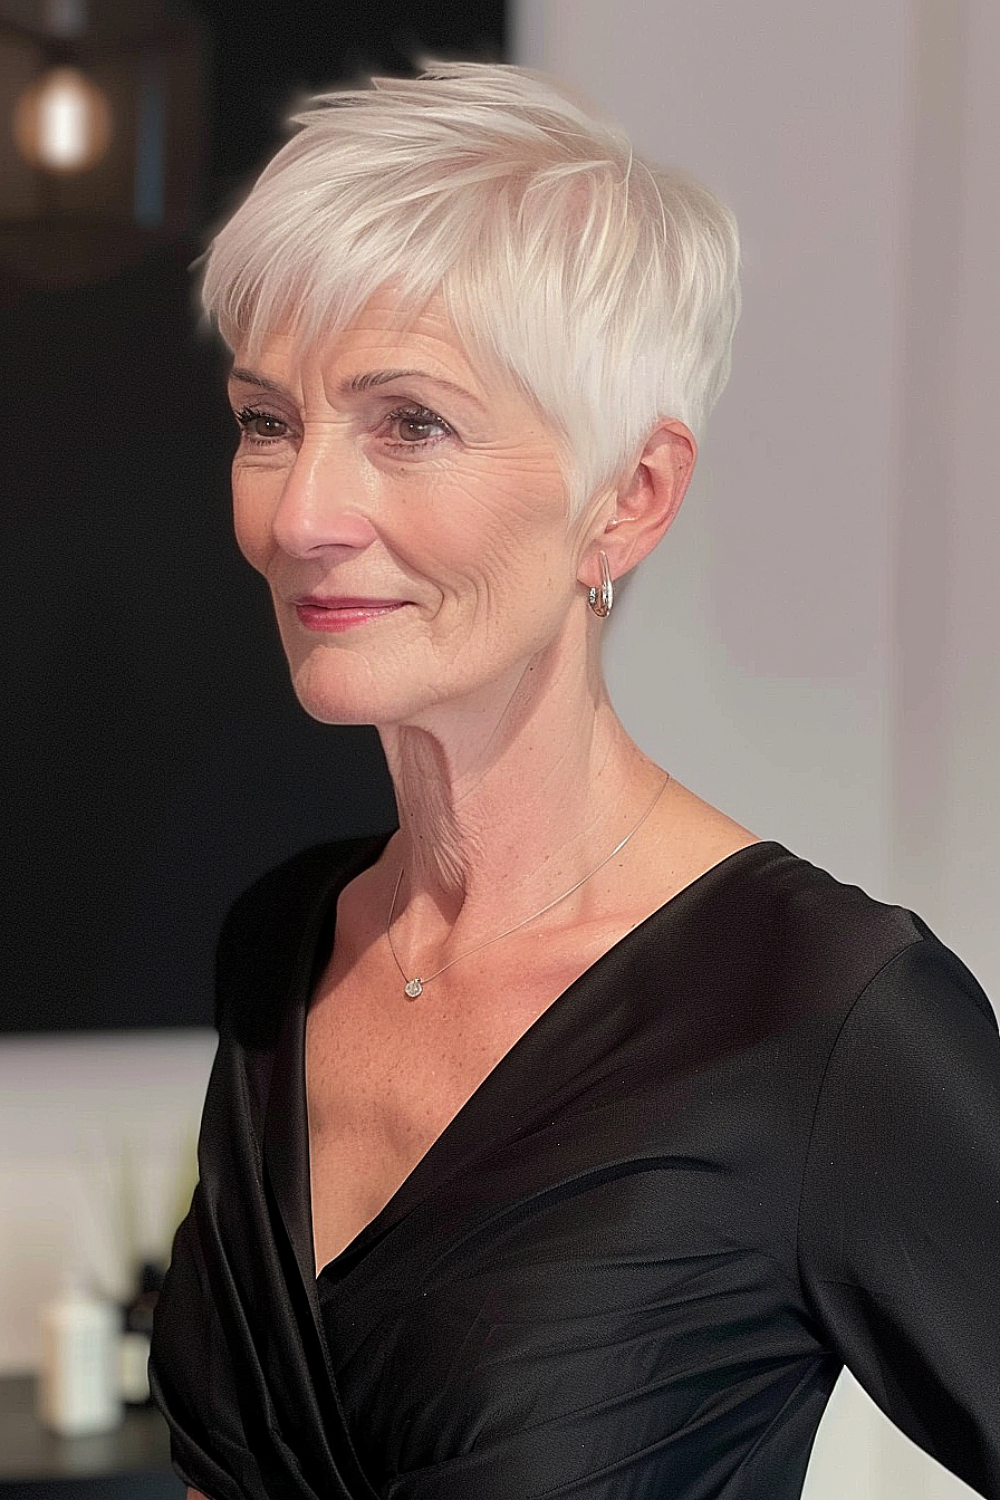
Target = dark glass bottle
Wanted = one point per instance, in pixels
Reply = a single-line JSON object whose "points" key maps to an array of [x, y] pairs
{"points": [[137, 1328]]}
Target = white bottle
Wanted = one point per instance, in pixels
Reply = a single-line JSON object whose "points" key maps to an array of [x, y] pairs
{"points": [[78, 1388]]}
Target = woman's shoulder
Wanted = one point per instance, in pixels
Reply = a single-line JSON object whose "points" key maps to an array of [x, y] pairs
{"points": [[767, 906], [304, 873], [263, 931], [801, 903], [808, 942]]}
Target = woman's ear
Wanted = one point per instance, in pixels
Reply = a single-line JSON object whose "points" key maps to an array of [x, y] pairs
{"points": [[644, 504]]}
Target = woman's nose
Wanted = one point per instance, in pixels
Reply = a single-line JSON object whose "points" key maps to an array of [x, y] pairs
{"points": [[323, 504]]}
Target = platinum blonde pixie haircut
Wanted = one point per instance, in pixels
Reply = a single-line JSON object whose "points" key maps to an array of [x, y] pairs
{"points": [[604, 286]]}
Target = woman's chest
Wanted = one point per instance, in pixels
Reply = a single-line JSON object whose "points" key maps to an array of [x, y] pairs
{"points": [[611, 1278], [386, 1075]]}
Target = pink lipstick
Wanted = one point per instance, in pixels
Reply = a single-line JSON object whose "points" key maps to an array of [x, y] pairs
{"points": [[340, 612]]}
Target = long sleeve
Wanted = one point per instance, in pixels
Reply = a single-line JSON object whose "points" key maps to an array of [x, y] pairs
{"points": [[899, 1233]]}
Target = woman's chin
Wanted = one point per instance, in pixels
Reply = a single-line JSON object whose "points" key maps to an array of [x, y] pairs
{"points": [[339, 708], [337, 699]]}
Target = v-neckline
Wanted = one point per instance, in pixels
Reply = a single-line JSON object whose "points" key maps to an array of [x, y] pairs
{"points": [[460, 1139]]}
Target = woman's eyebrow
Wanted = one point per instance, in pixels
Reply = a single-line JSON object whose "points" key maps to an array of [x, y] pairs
{"points": [[359, 383], [250, 377], [372, 378]]}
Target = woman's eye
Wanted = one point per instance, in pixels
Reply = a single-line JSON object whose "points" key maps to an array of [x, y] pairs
{"points": [[408, 427], [260, 426], [414, 426]]}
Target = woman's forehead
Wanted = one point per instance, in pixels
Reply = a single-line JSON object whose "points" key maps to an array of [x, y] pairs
{"points": [[390, 334]]}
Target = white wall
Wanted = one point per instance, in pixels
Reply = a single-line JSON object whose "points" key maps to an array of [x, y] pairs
{"points": [[822, 619], [768, 612]]}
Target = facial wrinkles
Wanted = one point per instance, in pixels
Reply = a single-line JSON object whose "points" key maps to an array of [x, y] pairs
{"points": [[495, 554], [476, 516]]}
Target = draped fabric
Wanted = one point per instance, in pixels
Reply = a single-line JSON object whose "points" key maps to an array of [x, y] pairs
{"points": [[758, 1139]]}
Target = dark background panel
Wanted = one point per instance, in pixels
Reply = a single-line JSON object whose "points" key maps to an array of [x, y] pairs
{"points": [[156, 759]]}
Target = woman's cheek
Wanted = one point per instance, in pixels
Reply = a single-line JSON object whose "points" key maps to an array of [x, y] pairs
{"points": [[251, 517]]}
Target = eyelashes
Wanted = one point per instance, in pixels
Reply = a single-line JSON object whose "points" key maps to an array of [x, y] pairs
{"points": [[250, 414], [412, 417], [413, 420]]}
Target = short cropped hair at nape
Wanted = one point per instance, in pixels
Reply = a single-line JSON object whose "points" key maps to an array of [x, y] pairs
{"points": [[605, 286]]}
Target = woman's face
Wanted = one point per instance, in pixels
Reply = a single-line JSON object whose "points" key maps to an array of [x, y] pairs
{"points": [[382, 467]]}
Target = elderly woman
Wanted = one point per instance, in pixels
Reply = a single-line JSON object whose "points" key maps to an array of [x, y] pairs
{"points": [[567, 1139]]}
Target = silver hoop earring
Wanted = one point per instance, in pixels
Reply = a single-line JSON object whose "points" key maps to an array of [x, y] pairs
{"points": [[601, 600]]}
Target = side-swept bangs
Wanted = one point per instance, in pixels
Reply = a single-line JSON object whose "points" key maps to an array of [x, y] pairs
{"points": [[606, 288]]}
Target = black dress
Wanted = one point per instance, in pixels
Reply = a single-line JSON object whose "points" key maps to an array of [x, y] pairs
{"points": [[756, 1140]]}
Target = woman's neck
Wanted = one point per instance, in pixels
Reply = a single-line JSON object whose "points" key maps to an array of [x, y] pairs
{"points": [[504, 805]]}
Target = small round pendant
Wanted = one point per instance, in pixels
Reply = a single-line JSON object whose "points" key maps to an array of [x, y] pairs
{"points": [[413, 989]]}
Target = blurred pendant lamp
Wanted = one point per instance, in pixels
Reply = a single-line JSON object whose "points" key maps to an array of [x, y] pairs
{"points": [[101, 111], [62, 123]]}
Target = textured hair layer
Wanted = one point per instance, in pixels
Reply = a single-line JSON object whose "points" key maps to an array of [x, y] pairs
{"points": [[606, 287]]}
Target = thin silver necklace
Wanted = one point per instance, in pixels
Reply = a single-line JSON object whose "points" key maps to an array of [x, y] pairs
{"points": [[414, 986]]}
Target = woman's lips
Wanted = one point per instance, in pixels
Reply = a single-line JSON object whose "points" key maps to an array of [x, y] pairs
{"points": [[335, 614]]}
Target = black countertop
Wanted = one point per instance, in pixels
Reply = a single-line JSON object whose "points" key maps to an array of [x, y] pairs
{"points": [[132, 1460]]}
